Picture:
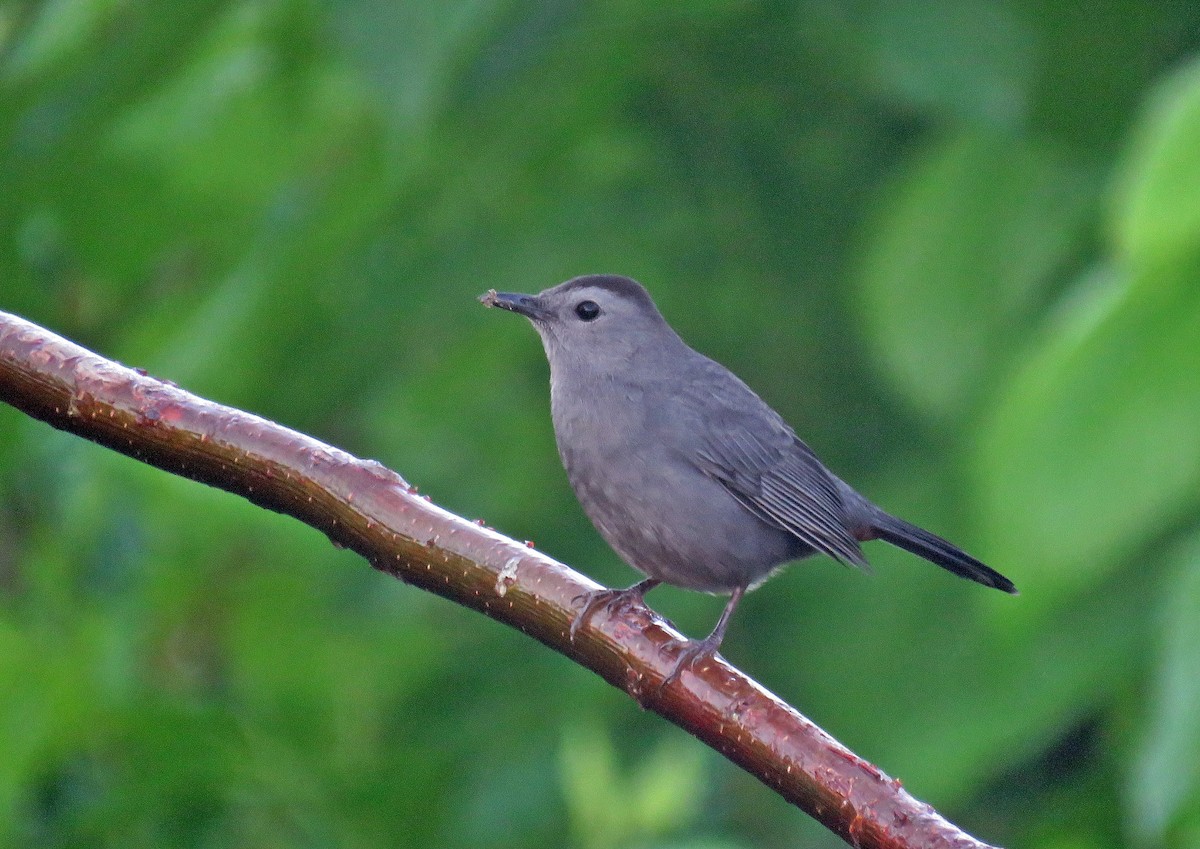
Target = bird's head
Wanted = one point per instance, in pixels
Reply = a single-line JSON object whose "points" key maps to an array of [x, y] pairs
{"points": [[599, 318]]}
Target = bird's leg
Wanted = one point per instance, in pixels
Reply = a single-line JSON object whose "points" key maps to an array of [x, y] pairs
{"points": [[614, 601], [691, 651]]}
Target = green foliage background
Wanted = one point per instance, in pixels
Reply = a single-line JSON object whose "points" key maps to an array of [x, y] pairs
{"points": [[956, 244]]}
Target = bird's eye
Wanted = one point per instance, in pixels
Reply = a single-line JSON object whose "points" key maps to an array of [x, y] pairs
{"points": [[587, 310]]}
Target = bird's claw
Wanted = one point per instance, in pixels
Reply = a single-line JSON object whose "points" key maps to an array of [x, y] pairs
{"points": [[613, 601], [690, 652]]}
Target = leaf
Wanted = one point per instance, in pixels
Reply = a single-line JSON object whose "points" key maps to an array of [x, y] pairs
{"points": [[56, 33], [660, 794], [411, 72], [1092, 450], [1165, 776], [592, 788], [973, 60], [1157, 216], [667, 788], [967, 243]]}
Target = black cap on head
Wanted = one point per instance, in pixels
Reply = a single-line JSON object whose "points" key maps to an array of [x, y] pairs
{"points": [[625, 287]]}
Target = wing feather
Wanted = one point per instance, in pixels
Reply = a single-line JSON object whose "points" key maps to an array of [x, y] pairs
{"points": [[739, 441], [784, 486]]}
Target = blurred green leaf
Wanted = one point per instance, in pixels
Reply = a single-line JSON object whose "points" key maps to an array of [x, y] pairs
{"points": [[1157, 216], [411, 51], [1165, 777], [667, 790], [590, 783], [966, 244], [1091, 450], [974, 60], [663, 792], [58, 29]]}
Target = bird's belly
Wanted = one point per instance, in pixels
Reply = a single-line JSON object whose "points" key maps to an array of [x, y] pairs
{"points": [[672, 522]]}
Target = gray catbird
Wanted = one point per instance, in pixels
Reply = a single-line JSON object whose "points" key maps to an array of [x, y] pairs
{"points": [[687, 473]]}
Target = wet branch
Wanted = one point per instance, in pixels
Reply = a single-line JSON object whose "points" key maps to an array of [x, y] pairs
{"points": [[364, 506]]}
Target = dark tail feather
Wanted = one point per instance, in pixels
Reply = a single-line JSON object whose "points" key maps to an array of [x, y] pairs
{"points": [[937, 550]]}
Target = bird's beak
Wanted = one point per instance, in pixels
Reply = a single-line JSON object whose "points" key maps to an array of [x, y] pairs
{"points": [[527, 305]]}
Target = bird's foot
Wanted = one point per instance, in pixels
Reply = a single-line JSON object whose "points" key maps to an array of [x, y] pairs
{"points": [[690, 653], [615, 602]]}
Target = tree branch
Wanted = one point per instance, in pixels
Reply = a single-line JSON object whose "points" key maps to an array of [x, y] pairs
{"points": [[364, 506]]}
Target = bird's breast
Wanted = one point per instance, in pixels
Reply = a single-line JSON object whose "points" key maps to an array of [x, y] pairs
{"points": [[599, 429]]}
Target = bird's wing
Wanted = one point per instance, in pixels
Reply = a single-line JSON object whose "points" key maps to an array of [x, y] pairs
{"points": [[778, 478]]}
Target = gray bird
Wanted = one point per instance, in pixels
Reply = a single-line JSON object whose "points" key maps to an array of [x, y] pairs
{"points": [[684, 470]]}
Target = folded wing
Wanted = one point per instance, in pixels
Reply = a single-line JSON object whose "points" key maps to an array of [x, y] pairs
{"points": [[777, 477]]}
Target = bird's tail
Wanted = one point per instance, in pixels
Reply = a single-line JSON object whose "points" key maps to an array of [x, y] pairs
{"points": [[937, 550]]}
